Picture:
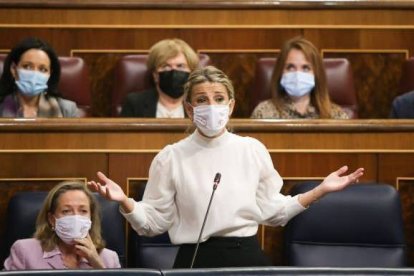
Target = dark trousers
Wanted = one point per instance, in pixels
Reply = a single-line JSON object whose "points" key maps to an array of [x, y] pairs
{"points": [[223, 252]]}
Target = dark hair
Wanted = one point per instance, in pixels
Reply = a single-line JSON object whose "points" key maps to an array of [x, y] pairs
{"points": [[7, 82]]}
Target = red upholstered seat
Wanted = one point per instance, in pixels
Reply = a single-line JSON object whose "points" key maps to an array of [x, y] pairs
{"points": [[131, 75], [74, 82], [339, 77]]}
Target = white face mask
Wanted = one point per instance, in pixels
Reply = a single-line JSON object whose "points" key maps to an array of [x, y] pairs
{"points": [[73, 227], [298, 84], [211, 119]]}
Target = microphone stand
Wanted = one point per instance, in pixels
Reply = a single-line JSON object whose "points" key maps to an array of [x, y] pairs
{"points": [[216, 182]]}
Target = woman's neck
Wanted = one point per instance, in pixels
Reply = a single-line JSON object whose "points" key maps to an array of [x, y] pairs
{"points": [[301, 104], [29, 105], [212, 137], [67, 249], [69, 257]]}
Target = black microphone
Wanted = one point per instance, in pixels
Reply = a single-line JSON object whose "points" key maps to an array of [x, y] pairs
{"points": [[216, 182]]}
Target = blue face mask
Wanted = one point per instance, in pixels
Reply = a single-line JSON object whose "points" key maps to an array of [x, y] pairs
{"points": [[298, 84], [31, 83]]}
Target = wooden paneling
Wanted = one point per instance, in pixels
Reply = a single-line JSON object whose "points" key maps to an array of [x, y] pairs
{"points": [[240, 67], [46, 151], [126, 166], [50, 165], [309, 165], [101, 32], [376, 78], [277, 15], [395, 165], [375, 36]]}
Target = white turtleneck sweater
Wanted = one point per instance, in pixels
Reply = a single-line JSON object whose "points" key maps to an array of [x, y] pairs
{"points": [[181, 182]]}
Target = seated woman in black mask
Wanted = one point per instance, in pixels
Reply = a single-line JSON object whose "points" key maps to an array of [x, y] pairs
{"points": [[170, 61]]}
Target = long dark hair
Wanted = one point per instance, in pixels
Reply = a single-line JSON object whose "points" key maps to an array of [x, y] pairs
{"points": [[7, 81]]}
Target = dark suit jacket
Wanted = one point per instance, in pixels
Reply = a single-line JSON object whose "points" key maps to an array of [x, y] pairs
{"points": [[403, 106], [142, 104]]}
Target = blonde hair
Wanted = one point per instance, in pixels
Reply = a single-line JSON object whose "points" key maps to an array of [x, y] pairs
{"points": [[44, 231], [208, 74], [319, 95], [165, 49]]}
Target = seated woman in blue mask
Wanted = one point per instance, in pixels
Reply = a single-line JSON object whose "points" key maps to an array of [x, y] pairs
{"points": [[28, 85], [68, 234], [181, 177], [298, 86]]}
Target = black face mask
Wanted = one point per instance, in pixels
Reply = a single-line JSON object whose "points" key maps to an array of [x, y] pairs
{"points": [[172, 82]]}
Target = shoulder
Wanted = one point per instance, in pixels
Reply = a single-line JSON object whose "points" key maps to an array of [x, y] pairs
{"points": [[26, 247], [165, 154], [27, 244], [403, 106], [140, 104], [265, 109], [404, 98], [141, 95], [110, 258], [25, 254], [169, 151], [248, 143], [66, 103], [69, 108]]}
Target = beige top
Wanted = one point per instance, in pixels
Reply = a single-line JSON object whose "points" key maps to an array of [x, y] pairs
{"points": [[267, 110]]}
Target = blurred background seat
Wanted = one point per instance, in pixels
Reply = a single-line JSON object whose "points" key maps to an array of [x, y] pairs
{"points": [[74, 82], [131, 75], [150, 252], [406, 83], [360, 226], [21, 217], [339, 79]]}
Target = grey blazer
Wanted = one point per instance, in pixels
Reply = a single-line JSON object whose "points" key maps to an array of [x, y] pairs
{"points": [[68, 108]]}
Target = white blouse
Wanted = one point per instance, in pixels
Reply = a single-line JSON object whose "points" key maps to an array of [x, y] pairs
{"points": [[181, 182]]}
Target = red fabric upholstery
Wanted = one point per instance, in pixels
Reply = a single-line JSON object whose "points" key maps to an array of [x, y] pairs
{"points": [[74, 82], [131, 75], [407, 77], [339, 77]]}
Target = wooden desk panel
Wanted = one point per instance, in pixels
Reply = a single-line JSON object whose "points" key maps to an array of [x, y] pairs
{"points": [[36, 154]]}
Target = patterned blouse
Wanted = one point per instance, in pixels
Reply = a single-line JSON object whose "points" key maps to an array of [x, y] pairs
{"points": [[267, 110]]}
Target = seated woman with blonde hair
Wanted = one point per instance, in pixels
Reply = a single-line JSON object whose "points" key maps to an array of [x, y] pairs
{"points": [[298, 86], [68, 234], [181, 181]]}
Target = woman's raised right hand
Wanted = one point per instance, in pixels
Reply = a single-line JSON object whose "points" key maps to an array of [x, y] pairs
{"points": [[107, 188]]}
